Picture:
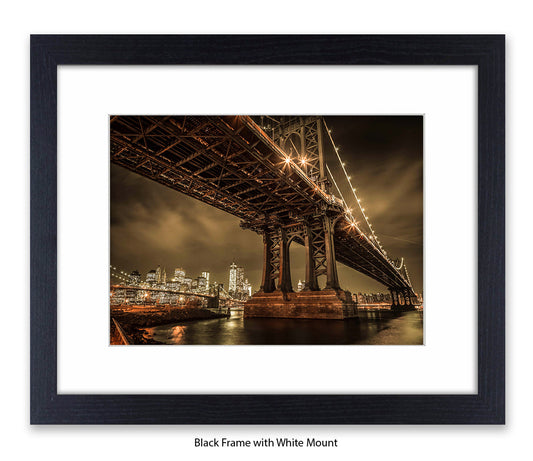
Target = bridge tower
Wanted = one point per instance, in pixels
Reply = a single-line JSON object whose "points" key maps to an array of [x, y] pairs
{"points": [[302, 139]]}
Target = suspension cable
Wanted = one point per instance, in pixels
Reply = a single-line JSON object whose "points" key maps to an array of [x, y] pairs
{"points": [[337, 187], [348, 178]]}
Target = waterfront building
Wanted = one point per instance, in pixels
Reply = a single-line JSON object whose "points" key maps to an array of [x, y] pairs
{"points": [[372, 298], [179, 275], [173, 285], [131, 296], [301, 285], [158, 275], [151, 277], [213, 288], [201, 284], [205, 275], [247, 288], [187, 281], [135, 278]]}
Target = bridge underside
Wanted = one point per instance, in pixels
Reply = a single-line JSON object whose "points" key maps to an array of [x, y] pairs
{"points": [[232, 164]]}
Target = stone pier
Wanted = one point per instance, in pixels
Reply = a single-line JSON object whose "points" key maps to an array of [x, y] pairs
{"points": [[324, 304]]}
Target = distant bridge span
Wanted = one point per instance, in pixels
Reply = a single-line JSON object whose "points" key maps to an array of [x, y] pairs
{"points": [[233, 164]]}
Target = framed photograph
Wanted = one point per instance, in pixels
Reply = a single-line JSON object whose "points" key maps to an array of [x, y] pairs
{"points": [[267, 229]]}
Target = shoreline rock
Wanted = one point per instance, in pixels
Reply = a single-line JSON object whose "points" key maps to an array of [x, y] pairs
{"points": [[135, 319]]}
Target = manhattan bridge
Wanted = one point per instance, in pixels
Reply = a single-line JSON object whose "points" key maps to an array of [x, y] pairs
{"points": [[271, 173]]}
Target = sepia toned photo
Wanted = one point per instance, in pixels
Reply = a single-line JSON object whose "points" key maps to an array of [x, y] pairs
{"points": [[266, 230]]}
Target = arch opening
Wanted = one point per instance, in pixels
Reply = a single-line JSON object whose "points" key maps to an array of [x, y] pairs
{"points": [[297, 260]]}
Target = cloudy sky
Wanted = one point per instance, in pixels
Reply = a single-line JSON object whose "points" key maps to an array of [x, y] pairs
{"points": [[152, 225]]}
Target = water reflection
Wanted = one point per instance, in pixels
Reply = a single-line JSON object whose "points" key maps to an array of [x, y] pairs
{"points": [[378, 328], [175, 334]]}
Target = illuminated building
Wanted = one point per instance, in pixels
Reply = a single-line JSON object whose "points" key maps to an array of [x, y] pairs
{"points": [[158, 274], [173, 285], [240, 280], [247, 288], [135, 278], [187, 281], [233, 279], [179, 275], [205, 275], [151, 277], [239, 287], [301, 285], [201, 284]]}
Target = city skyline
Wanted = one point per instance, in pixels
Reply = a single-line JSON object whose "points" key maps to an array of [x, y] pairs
{"points": [[384, 156], [158, 277], [134, 278]]}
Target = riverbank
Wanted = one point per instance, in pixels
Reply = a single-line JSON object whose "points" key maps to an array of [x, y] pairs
{"points": [[134, 319]]}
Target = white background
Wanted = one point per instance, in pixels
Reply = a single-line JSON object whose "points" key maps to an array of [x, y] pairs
{"points": [[437, 443], [445, 364]]}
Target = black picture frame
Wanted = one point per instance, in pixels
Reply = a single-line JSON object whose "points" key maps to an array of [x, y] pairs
{"points": [[487, 52]]}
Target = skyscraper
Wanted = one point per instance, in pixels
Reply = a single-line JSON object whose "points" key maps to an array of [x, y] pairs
{"points": [[240, 279], [179, 274], [202, 284], [186, 284], [158, 274], [247, 288], [205, 275], [232, 279], [151, 277], [238, 285]]}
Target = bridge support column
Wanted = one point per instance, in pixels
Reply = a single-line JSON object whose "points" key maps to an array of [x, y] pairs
{"points": [[285, 284], [267, 283], [311, 283], [331, 262], [312, 303], [394, 298], [401, 299], [407, 297]]}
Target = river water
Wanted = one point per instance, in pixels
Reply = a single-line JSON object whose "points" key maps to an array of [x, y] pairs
{"points": [[378, 328]]}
